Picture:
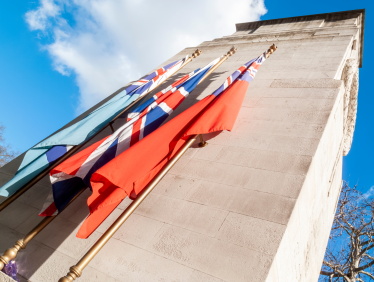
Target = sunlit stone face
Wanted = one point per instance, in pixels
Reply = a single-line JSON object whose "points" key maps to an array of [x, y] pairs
{"points": [[256, 204]]}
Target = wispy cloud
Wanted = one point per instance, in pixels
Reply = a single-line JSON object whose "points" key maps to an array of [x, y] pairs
{"points": [[107, 43], [369, 193], [39, 19]]}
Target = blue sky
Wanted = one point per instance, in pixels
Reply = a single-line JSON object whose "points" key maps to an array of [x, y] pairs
{"points": [[59, 58]]}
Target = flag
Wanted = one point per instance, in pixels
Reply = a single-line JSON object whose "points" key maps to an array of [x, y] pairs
{"points": [[42, 155], [72, 175], [130, 172]]}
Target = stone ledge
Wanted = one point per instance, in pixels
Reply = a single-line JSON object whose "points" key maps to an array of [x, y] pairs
{"points": [[327, 17], [263, 39]]}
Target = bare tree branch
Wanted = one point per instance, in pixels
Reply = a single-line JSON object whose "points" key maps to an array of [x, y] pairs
{"points": [[367, 274], [6, 152], [365, 266], [350, 253]]}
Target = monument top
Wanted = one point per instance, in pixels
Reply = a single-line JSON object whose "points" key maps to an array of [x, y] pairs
{"points": [[319, 20], [257, 203]]}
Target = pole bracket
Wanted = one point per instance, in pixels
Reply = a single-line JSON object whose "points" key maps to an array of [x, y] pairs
{"points": [[202, 142]]}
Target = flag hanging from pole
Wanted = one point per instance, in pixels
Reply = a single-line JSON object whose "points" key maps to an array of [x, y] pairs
{"points": [[46, 152], [72, 175], [130, 172]]}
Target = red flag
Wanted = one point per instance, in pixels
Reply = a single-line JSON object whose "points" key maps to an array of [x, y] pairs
{"points": [[130, 172]]}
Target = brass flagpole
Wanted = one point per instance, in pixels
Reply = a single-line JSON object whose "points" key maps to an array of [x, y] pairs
{"points": [[76, 270], [75, 149], [11, 253]]}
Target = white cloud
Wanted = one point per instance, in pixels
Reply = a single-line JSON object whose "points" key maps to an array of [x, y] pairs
{"points": [[108, 43], [38, 19], [369, 193]]}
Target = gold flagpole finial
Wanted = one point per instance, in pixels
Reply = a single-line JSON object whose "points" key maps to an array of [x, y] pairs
{"points": [[231, 52], [196, 53], [221, 61], [271, 50]]}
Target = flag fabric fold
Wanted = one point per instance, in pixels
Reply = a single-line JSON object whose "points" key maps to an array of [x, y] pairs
{"points": [[72, 175], [130, 172], [46, 152]]}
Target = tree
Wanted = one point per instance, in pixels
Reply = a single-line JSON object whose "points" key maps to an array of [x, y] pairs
{"points": [[350, 252], [6, 152]]}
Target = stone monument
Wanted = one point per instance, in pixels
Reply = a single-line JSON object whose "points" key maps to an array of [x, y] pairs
{"points": [[257, 203]]}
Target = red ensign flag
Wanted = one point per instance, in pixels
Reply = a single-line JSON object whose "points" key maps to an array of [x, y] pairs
{"points": [[130, 172]]}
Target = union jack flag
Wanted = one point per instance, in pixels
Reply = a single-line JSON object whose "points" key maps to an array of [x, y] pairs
{"points": [[49, 150], [69, 177], [129, 173], [151, 81], [248, 73], [149, 102]]}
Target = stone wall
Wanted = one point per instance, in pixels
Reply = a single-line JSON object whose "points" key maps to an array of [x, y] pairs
{"points": [[257, 203]]}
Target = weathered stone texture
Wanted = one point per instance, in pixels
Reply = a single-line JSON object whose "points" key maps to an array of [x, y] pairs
{"points": [[257, 203], [5, 278]]}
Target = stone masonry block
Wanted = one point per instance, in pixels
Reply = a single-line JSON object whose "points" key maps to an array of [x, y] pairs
{"points": [[46, 265], [137, 230], [35, 196], [278, 128], [203, 192], [260, 83], [16, 213], [267, 160], [223, 260], [201, 219], [247, 201], [4, 178], [296, 103], [30, 223], [323, 93], [293, 145], [5, 278], [278, 143], [284, 115], [322, 74], [250, 102], [125, 262], [252, 233], [272, 92], [306, 83], [60, 235]]}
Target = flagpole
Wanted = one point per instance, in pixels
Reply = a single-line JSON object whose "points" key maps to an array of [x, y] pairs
{"points": [[76, 270], [232, 51], [11, 253], [76, 148]]}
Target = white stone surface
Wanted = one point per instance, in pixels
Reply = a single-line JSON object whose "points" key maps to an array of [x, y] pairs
{"points": [[256, 204], [5, 278]]}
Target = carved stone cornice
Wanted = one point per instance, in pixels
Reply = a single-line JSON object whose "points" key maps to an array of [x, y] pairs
{"points": [[336, 16], [327, 17], [350, 78]]}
